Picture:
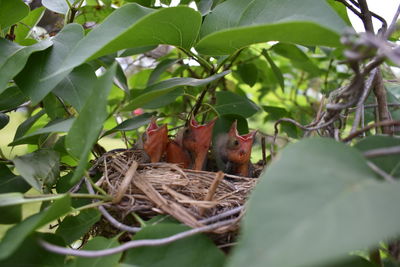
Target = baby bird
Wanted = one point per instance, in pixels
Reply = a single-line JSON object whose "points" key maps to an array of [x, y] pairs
{"points": [[196, 140], [155, 140], [176, 153], [235, 151]]}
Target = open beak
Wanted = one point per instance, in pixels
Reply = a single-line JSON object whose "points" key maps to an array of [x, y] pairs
{"points": [[239, 146], [156, 139], [197, 140]]}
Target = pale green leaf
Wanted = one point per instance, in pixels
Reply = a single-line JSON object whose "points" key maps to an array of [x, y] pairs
{"points": [[317, 202], [235, 24]]}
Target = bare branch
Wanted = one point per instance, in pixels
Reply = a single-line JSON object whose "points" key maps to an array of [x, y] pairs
{"points": [[381, 172], [110, 218], [385, 151], [369, 127], [132, 244]]}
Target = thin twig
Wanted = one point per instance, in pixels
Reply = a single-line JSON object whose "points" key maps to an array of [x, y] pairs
{"points": [[223, 215], [110, 218], [381, 172], [369, 127], [385, 151], [132, 244]]}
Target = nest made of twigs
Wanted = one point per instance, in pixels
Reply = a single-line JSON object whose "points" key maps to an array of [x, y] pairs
{"points": [[150, 189]]}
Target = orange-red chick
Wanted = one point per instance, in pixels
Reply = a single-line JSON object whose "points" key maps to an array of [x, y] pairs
{"points": [[155, 140], [196, 139], [235, 150]]}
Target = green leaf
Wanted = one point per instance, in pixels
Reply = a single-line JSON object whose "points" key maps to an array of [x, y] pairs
{"points": [[54, 107], [40, 168], [94, 14], [298, 58], [17, 234], [4, 120], [32, 81], [10, 214], [341, 10], [132, 123], [10, 182], [11, 199], [86, 128], [98, 243], [77, 86], [193, 251], [161, 67], [58, 6], [275, 70], [24, 28], [13, 58], [390, 163], [30, 253], [162, 88], [230, 103], [315, 203], [178, 26], [136, 50], [55, 127], [235, 24], [27, 124], [248, 73], [74, 227], [11, 12], [12, 97]]}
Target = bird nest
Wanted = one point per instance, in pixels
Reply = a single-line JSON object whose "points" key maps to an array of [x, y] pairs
{"points": [[192, 197]]}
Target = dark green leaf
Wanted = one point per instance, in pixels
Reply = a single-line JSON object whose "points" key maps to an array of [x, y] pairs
{"points": [[137, 50], [98, 243], [177, 26], [58, 6], [40, 168], [94, 14], [24, 28], [132, 123], [11, 98], [166, 99], [164, 87], [4, 119], [77, 86], [10, 182], [277, 71], [161, 67], [74, 227], [54, 127], [248, 73], [230, 103], [17, 234], [53, 107], [11, 12], [11, 214], [193, 251], [32, 80], [86, 128], [27, 124], [30, 253], [315, 203], [235, 24], [13, 58], [299, 58], [389, 163]]}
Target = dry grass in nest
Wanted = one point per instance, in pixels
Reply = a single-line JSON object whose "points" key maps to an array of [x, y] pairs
{"points": [[150, 189]]}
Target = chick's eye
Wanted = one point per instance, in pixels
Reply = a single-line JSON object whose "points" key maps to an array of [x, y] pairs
{"points": [[144, 137], [233, 143]]}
